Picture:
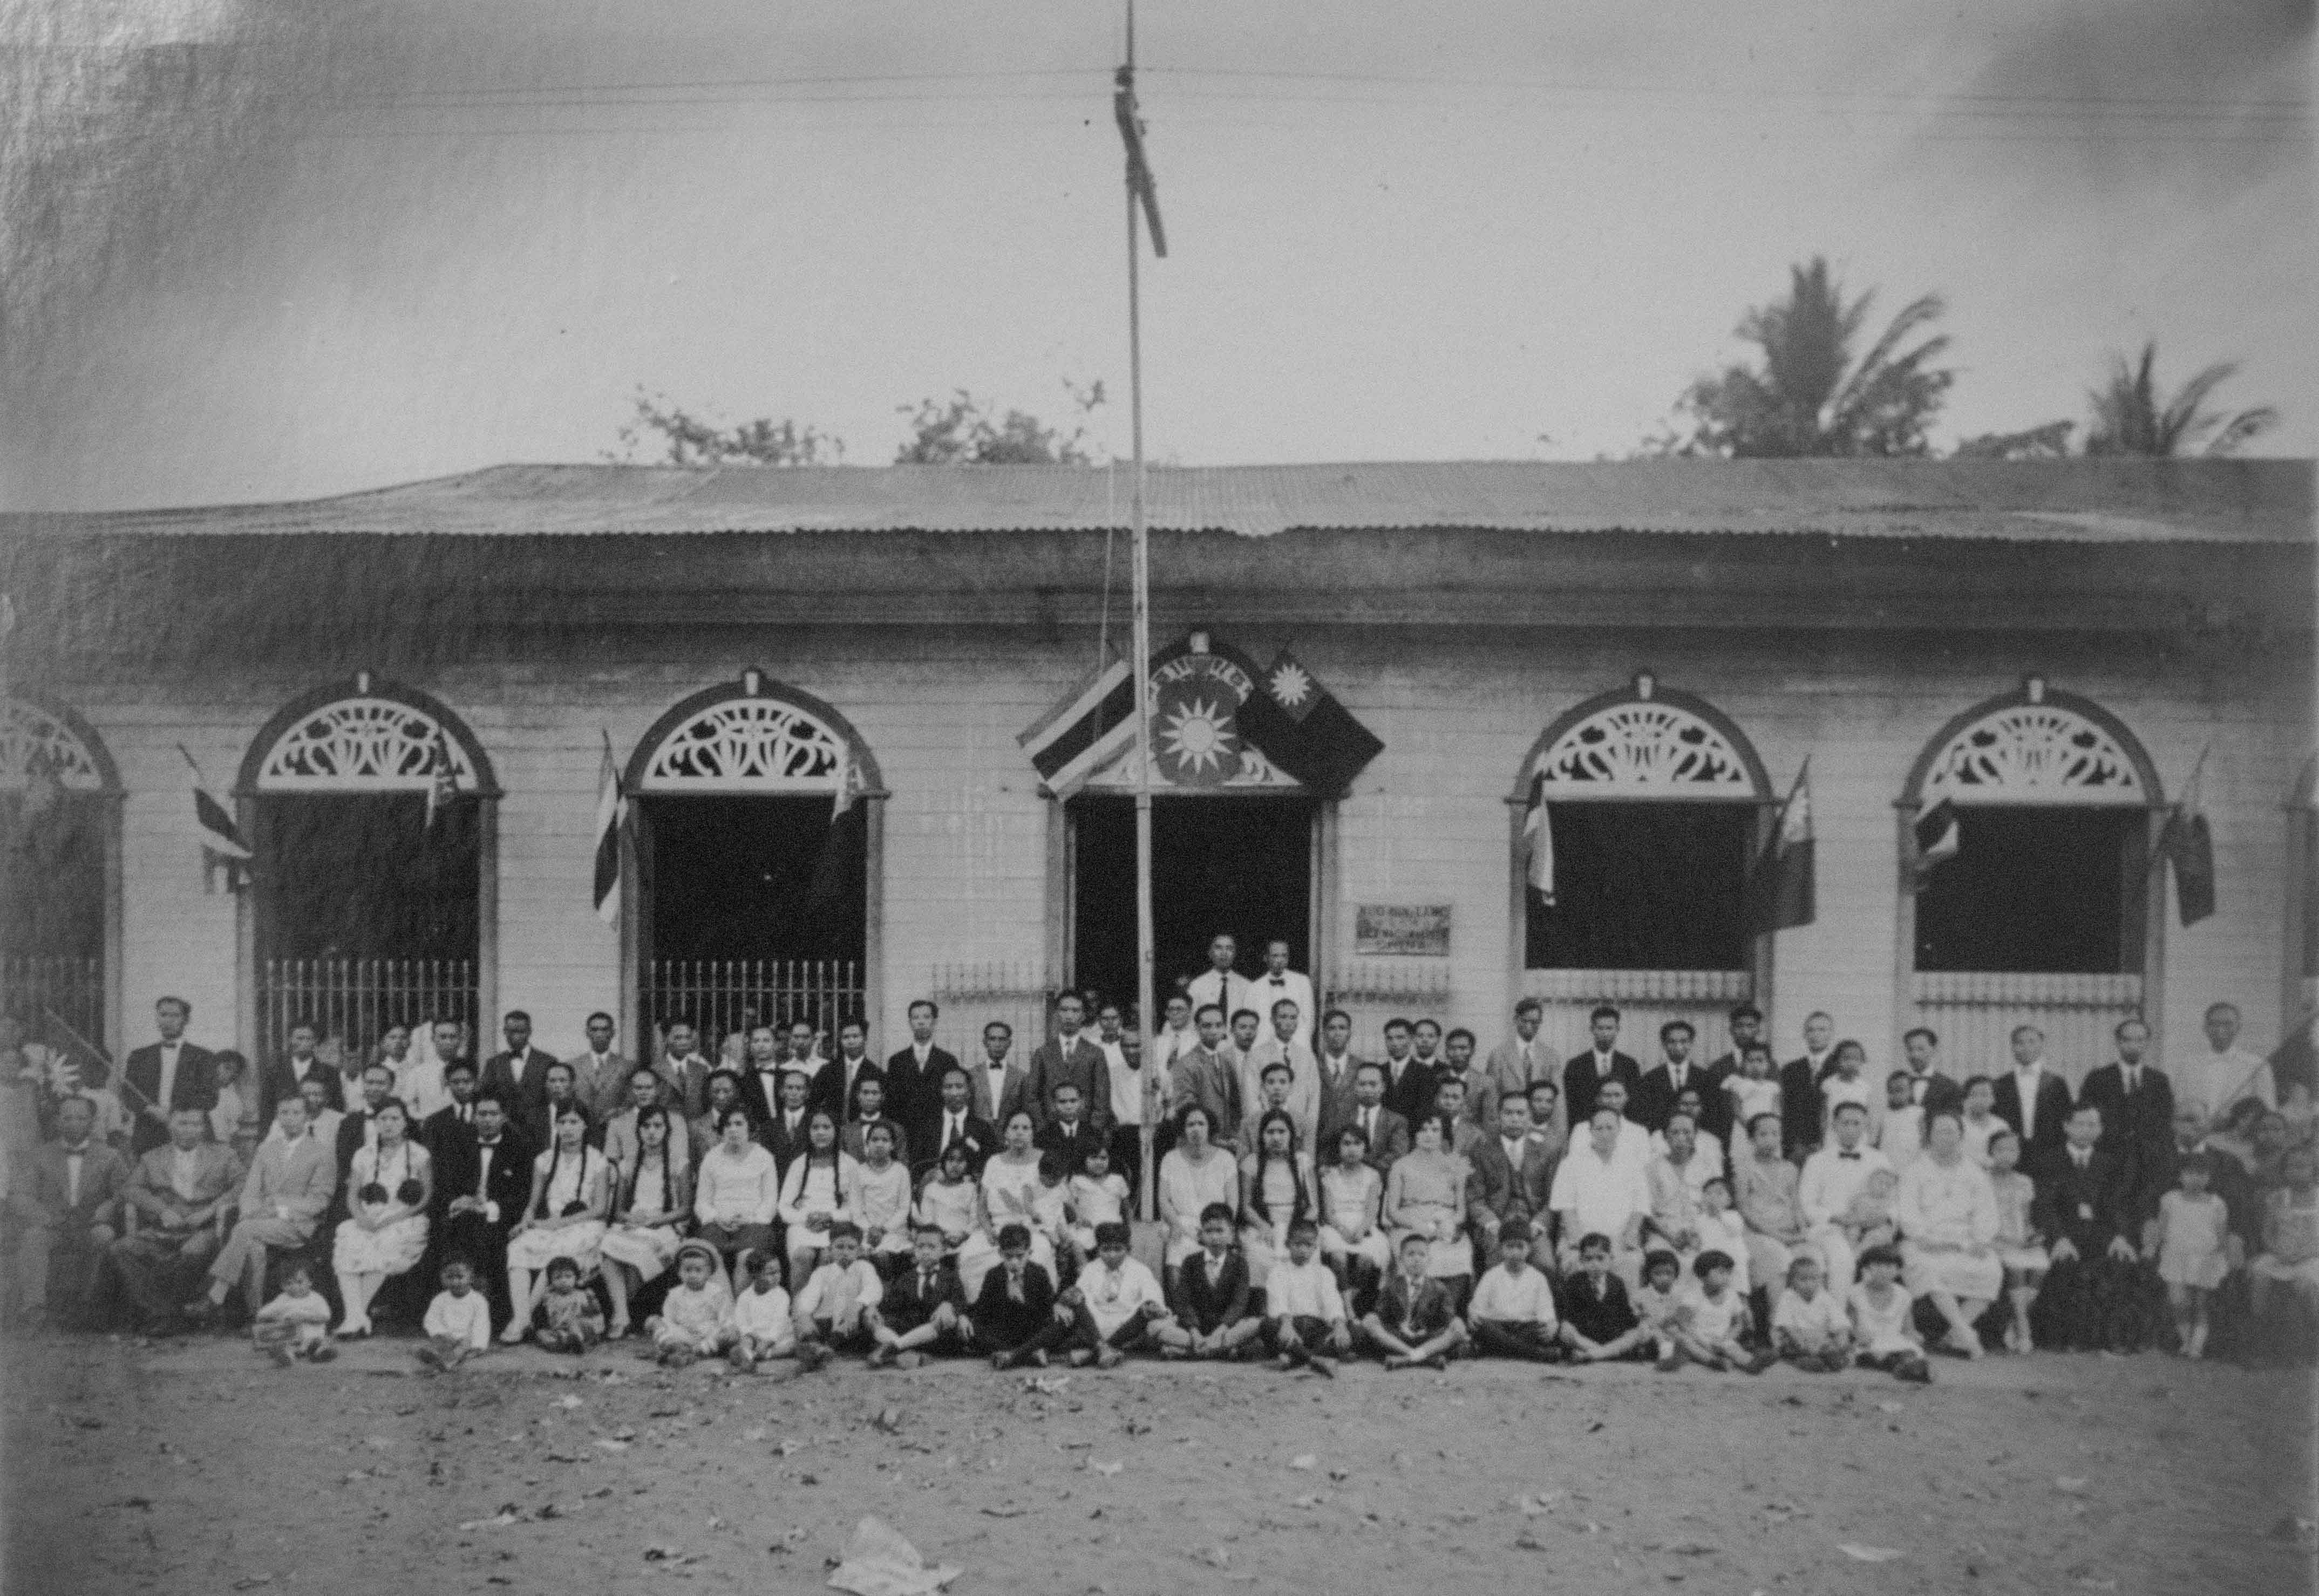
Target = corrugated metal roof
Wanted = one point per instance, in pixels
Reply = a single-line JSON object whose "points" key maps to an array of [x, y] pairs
{"points": [[2106, 500]]}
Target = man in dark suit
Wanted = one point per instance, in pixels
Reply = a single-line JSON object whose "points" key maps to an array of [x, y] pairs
{"points": [[1388, 1131], [923, 1308], [783, 1134], [62, 1205], [173, 1217], [165, 1075], [1802, 1109], [1583, 1075], [999, 1085], [1066, 1132], [480, 1199], [282, 1078], [518, 1076], [2137, 1104], [1070, 1056], [954, 1121], [2084, 1209], [914, 1075], [834, 1083], [1664, 1082], [450, 1132], [2034, 1101], [1928, 1088], [1408, 1083], [1513, 1177], [761, 1075], [1338, 1068]]}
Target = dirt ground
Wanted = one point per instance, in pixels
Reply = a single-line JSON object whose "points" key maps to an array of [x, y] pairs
{"points": [[190, 1467]]}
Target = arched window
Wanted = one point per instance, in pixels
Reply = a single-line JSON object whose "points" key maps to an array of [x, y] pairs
{"points": [[2043, 913], [1651, 799], [371, 808], [59, 871], [755, 833]]}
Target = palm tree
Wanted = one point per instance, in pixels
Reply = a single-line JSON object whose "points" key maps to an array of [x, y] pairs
{"points": [[2128, 418], [1811, 397]]}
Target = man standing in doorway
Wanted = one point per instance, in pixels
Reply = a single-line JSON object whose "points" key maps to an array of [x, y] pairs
{"points": [[1220, 983], [165, 1075], [1069, 1056], [1670, 1077], [2035, 1102], [424, 1084], [833, 1086], [519, 1075], [761, 1076], [1408, 1085], [2137, 1104], [285, 1076], [1277, 982], [1582, 1076]]}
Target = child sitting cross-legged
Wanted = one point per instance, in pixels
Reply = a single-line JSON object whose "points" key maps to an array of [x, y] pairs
{"points": [[1513, 1313], [1115, 1304], [1707, 1330], [458, 1323], [1306, 1312], [1883, 1327], [570, 1318], [1014, 1314], [297, 1324], [760, 1315], [1210, 1304], [1809, 1328], [696, 1318], [1413, 1322], [1598, 1321], [1659, 1306], [832, 1311], [920, 1310]]}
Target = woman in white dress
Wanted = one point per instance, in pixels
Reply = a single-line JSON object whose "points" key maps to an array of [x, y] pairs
{"points": [[1010, 1190], [649, 1215], [1277, 1189], [1194, 1173], [1425, 1195], [384, 1231], [571, 1193], [1948, 1219], [816, 1193]]}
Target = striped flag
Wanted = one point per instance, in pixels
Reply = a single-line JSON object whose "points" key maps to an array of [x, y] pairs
{"points": [[1936, 833], [1780, 892], [442, 778], [1091, 726], [222, 840], [611, 808], [2188, 843], [1140, 181], [1538, 841]]}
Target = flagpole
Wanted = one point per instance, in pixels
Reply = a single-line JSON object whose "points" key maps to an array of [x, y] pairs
{"points": [[1145, 953]]}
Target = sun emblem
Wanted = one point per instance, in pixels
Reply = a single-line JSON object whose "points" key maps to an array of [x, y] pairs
{"points": [[1290, 685], [1198, 735]]}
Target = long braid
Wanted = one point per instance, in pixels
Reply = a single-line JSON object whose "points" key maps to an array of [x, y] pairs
{"points": [[554, 1163]]}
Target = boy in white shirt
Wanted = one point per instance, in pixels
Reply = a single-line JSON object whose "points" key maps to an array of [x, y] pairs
{"points": [[297, 1324], [458, 1323], [1115, 1304], [1810, 1328], [1512, 1311], [761, 1314], [1307, 1313], [829, 1311]]}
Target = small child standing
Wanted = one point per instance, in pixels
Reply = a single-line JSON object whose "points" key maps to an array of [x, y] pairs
{"points": [[1901, 1133], [2019, 1247], [832, 1311], [1050, 1204], [458, 1323], [1882, 1325], [2193, 1243], [696, 1318], [1809, 1328], [1707, 1329], [761, 1316], [1512, 1311], [571, 1318], [1598, 1322], [295, 1324], [1096, 1197]]}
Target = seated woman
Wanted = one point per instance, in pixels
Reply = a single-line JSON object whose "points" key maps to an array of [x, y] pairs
{"points": [[1425, 1196], [1194, 1173], [652, 1207], [735, 1193], [816, 1195], [1352, 1239], [2289, 1257], [1009, 1195], [1276, 1184], [1947, 1214], [385, 1232], [571, 1193]]}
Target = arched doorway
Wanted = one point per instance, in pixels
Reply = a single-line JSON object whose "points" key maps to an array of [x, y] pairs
{"points": [[2049, 913], [1655, 801], [60, 875], [755, 834], [371, 812]]}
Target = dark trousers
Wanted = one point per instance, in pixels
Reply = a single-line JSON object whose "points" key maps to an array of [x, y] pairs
{"points": [[1126, 1338], [1525, 1338], [1312, 1333], [1126, 1145], [2091, 1304], [160, 1270], [483, 1245]]}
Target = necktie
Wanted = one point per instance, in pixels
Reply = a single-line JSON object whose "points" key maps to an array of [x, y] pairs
{"points": [[2133, 1082], [1368, 1125], [950, 1136]]}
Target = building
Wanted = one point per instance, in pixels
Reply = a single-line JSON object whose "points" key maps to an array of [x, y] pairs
{"points": [[1653, 648]]}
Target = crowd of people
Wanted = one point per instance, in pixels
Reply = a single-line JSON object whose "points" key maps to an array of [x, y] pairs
{"points": [[794, 1198]]}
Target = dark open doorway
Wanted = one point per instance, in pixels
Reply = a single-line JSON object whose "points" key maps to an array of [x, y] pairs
{"points": [[1238, 864], [2043, 890], [365, 876], [1644, 886]]}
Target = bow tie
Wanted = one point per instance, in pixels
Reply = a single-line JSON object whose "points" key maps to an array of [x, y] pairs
{"points": [[1852, 1156]]}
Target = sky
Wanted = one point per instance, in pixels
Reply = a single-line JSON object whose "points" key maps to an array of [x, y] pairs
{"points": [[264, 249]]}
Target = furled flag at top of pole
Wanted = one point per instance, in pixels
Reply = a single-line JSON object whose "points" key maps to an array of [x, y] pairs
{"points": [[442, 778], [1138, 167], [611, 808], [222, 840], [1935, 835], [2188, 842], [1538, 841], [1780, 889]]}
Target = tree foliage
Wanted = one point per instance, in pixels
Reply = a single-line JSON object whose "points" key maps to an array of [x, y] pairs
{"points": [[2130, 419], [2048, 442], [964, 430], [1807, 395], [682, 438]]}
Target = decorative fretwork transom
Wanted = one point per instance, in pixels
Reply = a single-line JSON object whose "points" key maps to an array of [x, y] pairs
{"points": [[1647, 747], [748, 745], [30, 735], [2036, 753], [363, 745]]}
